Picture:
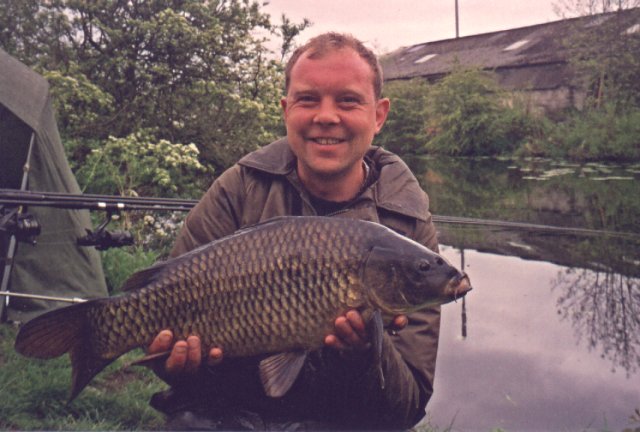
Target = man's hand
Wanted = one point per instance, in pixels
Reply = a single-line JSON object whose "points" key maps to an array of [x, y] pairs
{"points": [[350, 331], [185, 356]]}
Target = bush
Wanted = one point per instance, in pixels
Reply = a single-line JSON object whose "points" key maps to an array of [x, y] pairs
{"points": [[468, 114], [464, 114], [120, 263], [404, 131], [141, 165], [595, 134]]}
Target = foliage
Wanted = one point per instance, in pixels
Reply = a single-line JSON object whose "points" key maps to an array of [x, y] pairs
{"points": [[469, 114], [79, 103], [404, 132], [594, 134], [120, 263], [139, 165], [605, 58], [288, 30], [159, 231], [34, 394], [188, 70], [466, 113]]}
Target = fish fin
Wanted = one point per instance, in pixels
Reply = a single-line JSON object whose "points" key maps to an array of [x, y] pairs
{"points": [[63, 330], [53, 333], [279, 372], [377, 332], [143, 277], [271, 221], [84, 366], [149, 359]]}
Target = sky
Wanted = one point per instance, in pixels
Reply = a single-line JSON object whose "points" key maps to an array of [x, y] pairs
{"points": [[386, 25]]}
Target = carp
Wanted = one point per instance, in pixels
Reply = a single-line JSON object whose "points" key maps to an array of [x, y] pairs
{"points": [[273, 289]]}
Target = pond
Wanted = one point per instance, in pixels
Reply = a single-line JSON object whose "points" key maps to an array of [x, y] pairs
{"points": [[549, 339]]}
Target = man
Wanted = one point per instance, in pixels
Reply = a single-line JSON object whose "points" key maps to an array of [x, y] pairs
{"points": [[326, 165]]}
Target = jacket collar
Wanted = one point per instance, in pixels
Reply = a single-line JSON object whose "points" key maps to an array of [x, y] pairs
{"points": [[396, 190], [275, 158]]}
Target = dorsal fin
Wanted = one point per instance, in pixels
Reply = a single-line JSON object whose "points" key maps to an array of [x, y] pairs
{"points": [[144, 277], [271, 221]]}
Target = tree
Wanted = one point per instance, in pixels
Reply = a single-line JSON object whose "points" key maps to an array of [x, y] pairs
{"points": [[605, 53], [182, 70], [468, 114], [405, 131]]}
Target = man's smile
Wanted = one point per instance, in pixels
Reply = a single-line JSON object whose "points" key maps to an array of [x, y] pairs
{"points": [[327, 140]]}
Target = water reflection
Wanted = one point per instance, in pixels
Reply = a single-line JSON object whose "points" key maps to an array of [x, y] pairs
{"points": [[521, 366], [604, 309], [539, 191], [552, 334]]}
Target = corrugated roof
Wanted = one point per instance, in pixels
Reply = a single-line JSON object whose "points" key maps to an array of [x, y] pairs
{"points": [[538, 47]]}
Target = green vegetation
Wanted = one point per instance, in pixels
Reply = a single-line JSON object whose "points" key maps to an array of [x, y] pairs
{"points": [[139, 165], [161, 71], [34, 394], [464, 114], [605, 133], [120, 263], [154, 97], [467, 113]]}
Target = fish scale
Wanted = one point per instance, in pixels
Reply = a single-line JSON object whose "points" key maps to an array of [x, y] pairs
{"points": [[273, 288]]}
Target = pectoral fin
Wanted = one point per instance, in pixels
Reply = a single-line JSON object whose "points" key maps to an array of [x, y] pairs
{"points": [[279, 372], [150, 359], [377, 334]]}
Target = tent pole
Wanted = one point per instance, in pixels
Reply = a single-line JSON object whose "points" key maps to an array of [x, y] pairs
{"points": [[13, 244]]}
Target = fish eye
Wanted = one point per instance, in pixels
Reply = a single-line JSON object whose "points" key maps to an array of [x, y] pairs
{"points": [[424, 266]]}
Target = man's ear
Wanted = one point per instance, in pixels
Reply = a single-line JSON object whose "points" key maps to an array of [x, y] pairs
{"points": [[283, 104], [382, 110]]}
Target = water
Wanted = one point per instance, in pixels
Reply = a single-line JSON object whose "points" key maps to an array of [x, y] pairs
{"points": [[552, 334]]}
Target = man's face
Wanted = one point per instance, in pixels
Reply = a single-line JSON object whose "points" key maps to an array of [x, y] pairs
{"points": [[331, 114]]}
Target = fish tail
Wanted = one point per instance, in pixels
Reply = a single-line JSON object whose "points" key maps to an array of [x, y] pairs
{"points": [[59, 331]]}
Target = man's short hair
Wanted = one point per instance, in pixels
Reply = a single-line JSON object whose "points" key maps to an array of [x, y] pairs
{"points": [[332, 41]]}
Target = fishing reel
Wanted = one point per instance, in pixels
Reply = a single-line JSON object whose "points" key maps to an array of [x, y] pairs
{"points": [[23, 226], [103, 239]]}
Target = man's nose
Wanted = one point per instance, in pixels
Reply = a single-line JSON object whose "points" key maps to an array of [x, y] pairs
{"points": [[327, 113]]}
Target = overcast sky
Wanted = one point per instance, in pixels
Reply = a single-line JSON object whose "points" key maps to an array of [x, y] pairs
{"points": [[389, 24]]}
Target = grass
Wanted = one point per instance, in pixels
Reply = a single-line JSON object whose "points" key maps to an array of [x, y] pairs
{"points": [[33, 394]]}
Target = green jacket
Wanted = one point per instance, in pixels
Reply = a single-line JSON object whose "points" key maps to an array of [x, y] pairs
{"points": [[338, 390]]}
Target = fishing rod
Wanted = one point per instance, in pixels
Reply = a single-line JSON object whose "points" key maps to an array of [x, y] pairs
{"points": [[533, 227], [103, 239], [12, 197], [25, 227]]}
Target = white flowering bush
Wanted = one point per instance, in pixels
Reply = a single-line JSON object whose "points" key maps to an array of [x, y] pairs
{"points": [[138, 165], [158, 230]]}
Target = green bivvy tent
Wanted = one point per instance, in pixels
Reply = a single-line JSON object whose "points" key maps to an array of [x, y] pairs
{"points": [[32, 158]]}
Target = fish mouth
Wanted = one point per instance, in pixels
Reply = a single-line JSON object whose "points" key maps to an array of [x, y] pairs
{"points": [[458, 286]]}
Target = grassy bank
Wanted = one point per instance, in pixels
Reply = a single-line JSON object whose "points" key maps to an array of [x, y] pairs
{"points": [[33, 394]]}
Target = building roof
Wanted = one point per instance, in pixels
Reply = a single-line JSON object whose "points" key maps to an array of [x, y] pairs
{"points": [[534, 55]]}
